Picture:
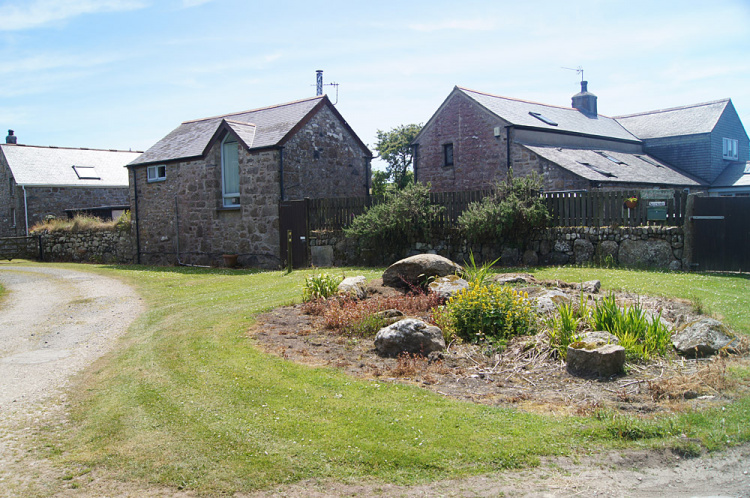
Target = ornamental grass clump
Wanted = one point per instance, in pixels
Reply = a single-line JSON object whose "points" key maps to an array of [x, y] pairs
{"points": [[491, 313], [321, 286]]}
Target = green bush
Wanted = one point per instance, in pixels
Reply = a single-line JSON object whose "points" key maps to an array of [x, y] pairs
{"points": [[320, 286], [510, 213], [405, 214], [493, 313]]}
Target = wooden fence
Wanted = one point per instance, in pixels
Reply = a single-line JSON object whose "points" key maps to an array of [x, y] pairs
{"points": [[571, 208]]}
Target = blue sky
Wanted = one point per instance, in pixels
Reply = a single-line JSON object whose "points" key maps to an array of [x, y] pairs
{"points": [[124, 73]]}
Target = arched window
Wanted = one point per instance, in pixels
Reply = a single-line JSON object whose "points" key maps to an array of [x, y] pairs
{"points": [[230, 172]]}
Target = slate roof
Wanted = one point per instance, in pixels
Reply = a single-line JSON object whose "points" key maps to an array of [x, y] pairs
{"points": [[264, 127], [567, 119], [54, 166], [592, 164], [678, 121], [734, 175]]}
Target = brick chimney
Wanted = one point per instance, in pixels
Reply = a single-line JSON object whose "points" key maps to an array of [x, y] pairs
{"points": [[11, 138], [585, 101]]}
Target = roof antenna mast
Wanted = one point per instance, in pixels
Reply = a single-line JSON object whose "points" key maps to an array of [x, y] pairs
{"points": [[319, 85], [578, 70]]}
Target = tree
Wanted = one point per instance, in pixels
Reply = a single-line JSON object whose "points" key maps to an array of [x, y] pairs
{"points": [[394, 147]]}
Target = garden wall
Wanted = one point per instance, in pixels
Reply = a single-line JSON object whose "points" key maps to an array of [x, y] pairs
{"points": [[647, 247], [90, 246]]}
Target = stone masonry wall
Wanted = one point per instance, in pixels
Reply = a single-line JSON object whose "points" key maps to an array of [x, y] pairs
{"points": [[92, 246], [652, 247], [12, 223]]}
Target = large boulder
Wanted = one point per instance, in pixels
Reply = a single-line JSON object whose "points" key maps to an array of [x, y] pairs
{"points": [[704, 337], [417, 270], [355, 287], [409, 336], [583, 251], [587, 359], [653, 253], [447, 287]]}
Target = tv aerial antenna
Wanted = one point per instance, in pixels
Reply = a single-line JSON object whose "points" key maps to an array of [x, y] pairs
{"points": [[319, 85], [578, 70]]}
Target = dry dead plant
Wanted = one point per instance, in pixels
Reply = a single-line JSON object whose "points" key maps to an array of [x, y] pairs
{"points": [[711, 379]]}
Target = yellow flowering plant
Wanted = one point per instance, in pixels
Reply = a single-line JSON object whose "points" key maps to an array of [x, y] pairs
{"points": [[492, 312]]}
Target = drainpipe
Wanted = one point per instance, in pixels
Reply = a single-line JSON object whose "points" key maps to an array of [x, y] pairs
{"points": [[25, 209], [281, 172], [507, 144], [367, 176], [137, 218], [415, 159]]}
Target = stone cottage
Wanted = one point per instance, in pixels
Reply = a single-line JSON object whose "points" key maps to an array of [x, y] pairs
{"points": [[475, 138], [36, 182], [212, 186]]}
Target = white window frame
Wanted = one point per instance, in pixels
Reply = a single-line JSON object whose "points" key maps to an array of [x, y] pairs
{"points": [[229, 199], [729, 150], [156, 173]]}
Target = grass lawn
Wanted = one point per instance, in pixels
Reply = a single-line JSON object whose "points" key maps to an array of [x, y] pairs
{"points": [[186, 401]]}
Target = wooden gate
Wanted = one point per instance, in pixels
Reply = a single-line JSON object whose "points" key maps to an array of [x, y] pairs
{"points": [[293, 217], [721, 233]]}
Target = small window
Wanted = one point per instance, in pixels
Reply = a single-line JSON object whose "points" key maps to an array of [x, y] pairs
{"points": [[230, 172], [12, 190], [543, 118], [648, 160], [598, 170], [447, 154], [157, 173], [730, 149], [13, 217], [86, 173], [611, 158], [747, 169]]}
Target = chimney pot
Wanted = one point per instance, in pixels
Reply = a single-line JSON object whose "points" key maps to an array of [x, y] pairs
{"points": [[11, 138]]}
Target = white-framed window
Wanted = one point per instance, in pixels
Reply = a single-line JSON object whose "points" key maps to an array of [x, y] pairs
{"points": [[157, 173], [230, 171], [730, 149]]}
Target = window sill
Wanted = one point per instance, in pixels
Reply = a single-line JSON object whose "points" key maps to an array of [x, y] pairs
{"points": [[231, 208]]}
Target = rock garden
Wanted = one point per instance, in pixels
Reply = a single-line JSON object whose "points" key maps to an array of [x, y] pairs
{"points": [[510, 339]]}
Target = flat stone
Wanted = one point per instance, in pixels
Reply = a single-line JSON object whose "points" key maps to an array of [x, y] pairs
{"points": [[447, 287], [704, 337], [603, 361]]}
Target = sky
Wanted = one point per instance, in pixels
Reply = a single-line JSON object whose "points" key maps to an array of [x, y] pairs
{"points": [[121, 74]]}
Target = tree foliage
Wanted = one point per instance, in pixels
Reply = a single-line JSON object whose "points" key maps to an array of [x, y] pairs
{"points": [[394, 147], [511, 213]]}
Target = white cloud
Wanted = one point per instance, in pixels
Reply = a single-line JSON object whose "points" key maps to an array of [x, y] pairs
{"points": [[464, 25], [28, 15]]}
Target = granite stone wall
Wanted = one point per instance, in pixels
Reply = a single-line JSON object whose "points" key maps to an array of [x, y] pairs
{"points": [[91, 246], [643, 247]]}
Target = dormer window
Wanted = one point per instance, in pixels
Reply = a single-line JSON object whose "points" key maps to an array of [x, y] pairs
{"points": [[543, 118], [730, 149]]}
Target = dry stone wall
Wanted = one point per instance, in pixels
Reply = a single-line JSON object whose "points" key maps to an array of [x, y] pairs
{"points": [[646, 247], [91, 246]]}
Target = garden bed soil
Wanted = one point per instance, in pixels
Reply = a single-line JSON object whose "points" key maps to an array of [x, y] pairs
{"points": [[523, 375]]}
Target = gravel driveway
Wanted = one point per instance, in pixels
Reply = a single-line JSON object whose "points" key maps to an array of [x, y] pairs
{"points": [[53, 323]]}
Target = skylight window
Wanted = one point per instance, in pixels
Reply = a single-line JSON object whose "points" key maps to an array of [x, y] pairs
{"points": [[598, 170], [747, 169], [611, 158], [86, 173], [649, 160], [543, 118]]}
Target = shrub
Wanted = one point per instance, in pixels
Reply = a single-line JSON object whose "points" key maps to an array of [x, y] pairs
{"points": [[405, 214], [510, 213], [563, 326], [79, 223], [320, 286], [494, 313]]}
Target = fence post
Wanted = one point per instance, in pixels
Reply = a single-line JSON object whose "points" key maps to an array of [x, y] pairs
{"points": [[289, 250]]}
